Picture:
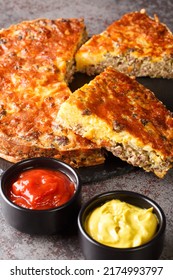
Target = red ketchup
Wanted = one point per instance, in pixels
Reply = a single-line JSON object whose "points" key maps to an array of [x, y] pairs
{"points": [[41, 189]]}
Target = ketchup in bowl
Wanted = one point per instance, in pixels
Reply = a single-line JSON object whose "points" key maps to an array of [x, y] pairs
{"points": [[41, 189]]}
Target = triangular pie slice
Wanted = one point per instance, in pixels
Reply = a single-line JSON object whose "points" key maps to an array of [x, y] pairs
{"points": [[36, 63], [116, 112], [42, 47], [136, 45]]}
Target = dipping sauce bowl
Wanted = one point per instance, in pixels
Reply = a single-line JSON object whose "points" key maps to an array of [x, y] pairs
{"points": [[94, 249], [27, 215]]}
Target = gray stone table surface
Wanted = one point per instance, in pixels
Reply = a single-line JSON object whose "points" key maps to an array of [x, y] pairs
{"points": [[97, 14]]}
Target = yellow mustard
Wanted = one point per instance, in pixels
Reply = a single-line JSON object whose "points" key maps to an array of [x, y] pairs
{"points": [[122, 225]]}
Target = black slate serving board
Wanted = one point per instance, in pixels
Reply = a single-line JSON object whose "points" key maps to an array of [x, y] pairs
{"points": [[163, 89]]}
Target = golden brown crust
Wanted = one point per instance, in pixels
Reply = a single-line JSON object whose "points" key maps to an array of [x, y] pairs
{"points": [[31, 131], [124, 103], [146, 36], [79, 157], [31, 49], [136, 44], [115, 111], [35, 59]]}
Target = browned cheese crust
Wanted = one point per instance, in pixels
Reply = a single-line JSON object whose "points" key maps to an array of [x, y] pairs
{"points": [[136, 45], [36, 61], [118, 113]]}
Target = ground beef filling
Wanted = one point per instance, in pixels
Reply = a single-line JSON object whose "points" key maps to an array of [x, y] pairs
{"points": [[140, 158], [130, 65]]}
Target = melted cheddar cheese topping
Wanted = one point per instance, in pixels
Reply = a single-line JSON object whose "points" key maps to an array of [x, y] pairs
{"points": [[135, 33], [34, 60], [38, 51]]}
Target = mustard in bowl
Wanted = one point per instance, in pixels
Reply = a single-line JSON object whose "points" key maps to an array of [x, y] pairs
{"points": [[121, 225]]}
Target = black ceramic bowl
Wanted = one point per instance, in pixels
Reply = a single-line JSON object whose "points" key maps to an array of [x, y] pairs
{"points": [[95, 250], [49, 221]]}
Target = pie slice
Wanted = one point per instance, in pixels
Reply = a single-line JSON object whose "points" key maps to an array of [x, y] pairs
{"points": [[41, 48], [136, 45], [116, 112], [36, 63]]}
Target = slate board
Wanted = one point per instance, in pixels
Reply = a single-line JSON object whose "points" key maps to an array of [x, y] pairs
{"points": [[163, 89]]}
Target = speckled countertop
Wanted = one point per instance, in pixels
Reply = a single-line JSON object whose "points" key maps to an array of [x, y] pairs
{"points": [[97, 14]]}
